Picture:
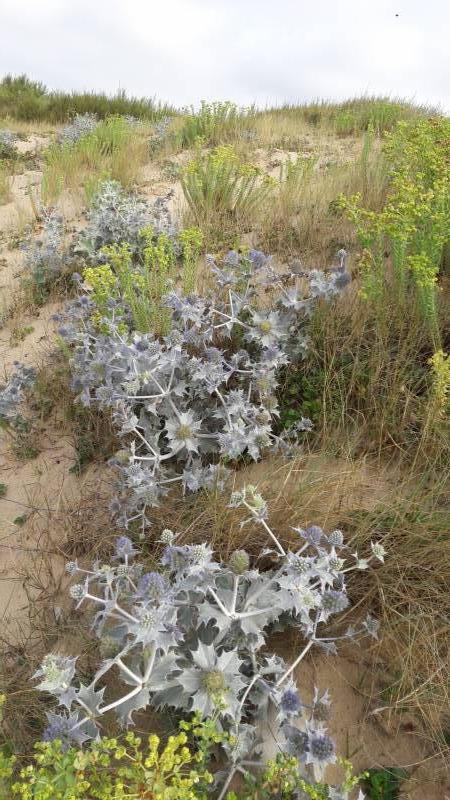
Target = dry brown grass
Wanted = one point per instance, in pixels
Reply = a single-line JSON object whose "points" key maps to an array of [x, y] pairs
{"points": [[302, 218], [26, 129]]}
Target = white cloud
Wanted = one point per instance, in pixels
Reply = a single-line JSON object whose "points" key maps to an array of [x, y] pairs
{"points": [[247, 50]]}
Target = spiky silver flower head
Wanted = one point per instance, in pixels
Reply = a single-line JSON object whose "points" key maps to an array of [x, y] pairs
{"points": [[314, 534], [78, 591], [71, 567], [167, 536], [290, 702], [336, 563], [334, 602], [336, 538], [298, 564], [153, 585], [239, 562], [321, 748], [124, 547]]}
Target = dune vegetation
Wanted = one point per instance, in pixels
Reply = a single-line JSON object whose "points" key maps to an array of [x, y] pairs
{"points": [[225, 423]]}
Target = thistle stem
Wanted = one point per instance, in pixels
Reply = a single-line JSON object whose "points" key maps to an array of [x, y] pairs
{"points": [[121, 700], [295, 664], [235, 591], [229, 778], [128, 671], [218, 601]]}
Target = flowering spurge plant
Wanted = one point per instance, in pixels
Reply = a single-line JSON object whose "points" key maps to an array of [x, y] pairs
{"points": [[193, 636], [206, 391]]}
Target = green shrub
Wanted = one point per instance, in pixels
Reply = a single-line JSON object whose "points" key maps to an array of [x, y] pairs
{"points": [[413, 227], [23, 99], [280, 779], [384, 784]]}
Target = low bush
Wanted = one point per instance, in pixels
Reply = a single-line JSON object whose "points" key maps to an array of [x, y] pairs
{"points": [[47, 260], [113, 769]]}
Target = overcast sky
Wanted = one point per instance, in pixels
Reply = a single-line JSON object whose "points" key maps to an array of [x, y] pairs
{"points": [[263, 51]]}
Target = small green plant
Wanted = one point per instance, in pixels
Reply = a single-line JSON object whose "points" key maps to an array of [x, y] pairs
{"points": [[385, 784], [440, 367], [18, 334], [3, 489], [20, 520], [144, 283]]}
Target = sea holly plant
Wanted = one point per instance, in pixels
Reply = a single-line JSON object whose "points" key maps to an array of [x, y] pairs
{"points": [[81, 125], [204, 392], [48, 256], [117, 216], [12, 393], [194, 636]]}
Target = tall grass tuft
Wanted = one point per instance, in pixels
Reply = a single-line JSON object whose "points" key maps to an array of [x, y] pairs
{"points": [[352, 117], [223, 194]]}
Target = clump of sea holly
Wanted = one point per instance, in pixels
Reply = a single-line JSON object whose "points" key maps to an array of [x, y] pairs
{"points": [[194, 636]]}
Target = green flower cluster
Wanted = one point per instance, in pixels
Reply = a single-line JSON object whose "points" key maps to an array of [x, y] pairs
{"points": [[110, 769]]}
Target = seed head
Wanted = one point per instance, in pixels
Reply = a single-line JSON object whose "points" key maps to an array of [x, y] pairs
{"points": [[239, 562]]}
